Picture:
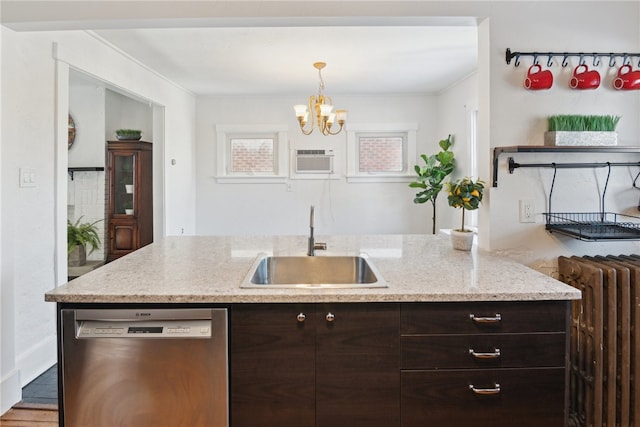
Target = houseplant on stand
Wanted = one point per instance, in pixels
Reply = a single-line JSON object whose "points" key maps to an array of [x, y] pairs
{"points": [[430, 176], [78, 237], [465, 194]]}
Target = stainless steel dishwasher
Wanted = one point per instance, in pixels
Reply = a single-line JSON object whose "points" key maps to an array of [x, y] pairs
{"points": [[144, 367]]}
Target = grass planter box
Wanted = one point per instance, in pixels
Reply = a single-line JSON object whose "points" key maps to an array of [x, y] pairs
{"points": [[581, 138]]}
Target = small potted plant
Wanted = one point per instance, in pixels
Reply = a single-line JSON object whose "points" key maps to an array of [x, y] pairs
{"points": [[579, 130], [467, 195], [430, 176], [128, 134], [78, 237]]}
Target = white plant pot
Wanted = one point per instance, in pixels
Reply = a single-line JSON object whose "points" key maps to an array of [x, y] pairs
{"points": [[128, 188], [578, 139], [462, 240], [128, 211]]}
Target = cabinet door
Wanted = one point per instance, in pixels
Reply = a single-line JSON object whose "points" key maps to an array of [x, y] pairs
{"points": [[123, 237], [272, 369], [123, 183], [483, 398], [357, 365]]}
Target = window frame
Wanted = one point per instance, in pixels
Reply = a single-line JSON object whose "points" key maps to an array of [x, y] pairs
{"points": [[407, 130], [224, 135]]}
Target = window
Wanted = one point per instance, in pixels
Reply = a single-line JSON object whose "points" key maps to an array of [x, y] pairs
{"points": [[251, 153], [382, 153]]}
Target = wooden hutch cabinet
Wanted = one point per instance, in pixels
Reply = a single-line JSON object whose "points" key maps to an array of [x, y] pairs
{"points": [[129, 196]]}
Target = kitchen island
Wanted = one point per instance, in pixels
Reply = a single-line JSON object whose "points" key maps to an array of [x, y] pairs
{"points": [[200, 269], [457, 338]]}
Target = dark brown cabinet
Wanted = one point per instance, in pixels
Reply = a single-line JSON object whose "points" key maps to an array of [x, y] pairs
{"points": [[129, 196], [315, 365], [484, 364]]}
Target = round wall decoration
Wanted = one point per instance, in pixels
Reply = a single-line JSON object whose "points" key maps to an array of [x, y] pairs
{"points": [[72, 131]]}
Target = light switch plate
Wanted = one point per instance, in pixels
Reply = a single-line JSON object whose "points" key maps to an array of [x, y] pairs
{"points": [[27, 177]]}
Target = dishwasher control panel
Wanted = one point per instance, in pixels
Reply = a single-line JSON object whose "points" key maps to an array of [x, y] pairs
{"points": [[194, 328]]}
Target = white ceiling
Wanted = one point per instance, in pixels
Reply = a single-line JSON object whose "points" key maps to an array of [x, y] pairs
{"points": [[230, 48], [278, 60]]}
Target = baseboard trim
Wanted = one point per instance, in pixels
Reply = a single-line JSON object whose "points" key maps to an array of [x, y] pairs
{"points": [[10, 391], [37, 360]]}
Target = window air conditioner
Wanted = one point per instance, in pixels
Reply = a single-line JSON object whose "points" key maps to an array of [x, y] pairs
{"points": [[314, 161]]}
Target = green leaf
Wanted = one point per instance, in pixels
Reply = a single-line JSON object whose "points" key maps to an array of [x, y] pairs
{"points": [[445, 143]]}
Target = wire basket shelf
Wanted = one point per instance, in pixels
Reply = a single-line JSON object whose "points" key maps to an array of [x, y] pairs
{"points": [[594, 226]]}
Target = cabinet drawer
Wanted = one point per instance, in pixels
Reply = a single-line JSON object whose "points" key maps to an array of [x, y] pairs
{"points": [[484, 317], [483, 350], [500, 398]]}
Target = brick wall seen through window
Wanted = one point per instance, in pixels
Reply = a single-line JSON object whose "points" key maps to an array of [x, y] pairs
{"points": [[250, 155], [381, 154]]}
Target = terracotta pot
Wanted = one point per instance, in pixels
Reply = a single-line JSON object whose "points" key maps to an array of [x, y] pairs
{"points": [[462, 240]]}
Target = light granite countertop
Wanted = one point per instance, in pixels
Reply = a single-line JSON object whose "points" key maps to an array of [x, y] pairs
{"points": [[208, 269]]}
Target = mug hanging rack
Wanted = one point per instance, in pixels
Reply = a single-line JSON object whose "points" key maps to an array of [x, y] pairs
{"points": [[627, 58]]}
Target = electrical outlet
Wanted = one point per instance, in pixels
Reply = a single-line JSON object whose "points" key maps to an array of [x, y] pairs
{"points": [[526, 210]]}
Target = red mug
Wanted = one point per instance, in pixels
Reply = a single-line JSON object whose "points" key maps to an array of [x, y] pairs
{"points": [[539, 79], [627, 80], [585, 79]]}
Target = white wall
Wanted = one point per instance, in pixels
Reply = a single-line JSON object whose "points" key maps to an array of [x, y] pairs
{"points": [[455, 106], [86, 191], [341, 207], [122, 112], [33, 225], [518, 118], [27, 217]]}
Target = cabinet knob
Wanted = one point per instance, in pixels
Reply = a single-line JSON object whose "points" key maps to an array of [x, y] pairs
{"points": [[330, 317], [492, 319], [301, 317]]}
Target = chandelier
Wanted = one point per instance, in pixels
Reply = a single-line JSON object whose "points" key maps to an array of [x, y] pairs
{"points": [[321, 109]]}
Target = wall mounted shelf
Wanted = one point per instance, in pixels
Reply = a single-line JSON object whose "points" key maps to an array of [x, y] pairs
{"points": [[71, 171], [586, 226], [594, 226], [497, 151]]}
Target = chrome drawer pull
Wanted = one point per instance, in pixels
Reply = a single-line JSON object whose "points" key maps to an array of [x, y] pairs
{"points": [[495, 319], [492, 355], [485, 391]]}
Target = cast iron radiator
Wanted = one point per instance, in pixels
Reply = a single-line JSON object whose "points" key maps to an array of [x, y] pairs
{"points": [[604, 389]]}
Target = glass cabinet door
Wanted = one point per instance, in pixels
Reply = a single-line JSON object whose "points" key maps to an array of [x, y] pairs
{"points": [[124, 184]]}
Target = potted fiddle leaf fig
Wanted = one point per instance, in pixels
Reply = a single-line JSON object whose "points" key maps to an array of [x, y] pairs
{"points": [[467, 195], [79, 235], [431, 176]]}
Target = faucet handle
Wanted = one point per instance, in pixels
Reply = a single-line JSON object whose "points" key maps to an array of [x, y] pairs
{"points": [[320, 246]]}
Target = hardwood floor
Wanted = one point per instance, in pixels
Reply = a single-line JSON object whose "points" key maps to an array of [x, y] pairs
{"points": [[31, 415]]}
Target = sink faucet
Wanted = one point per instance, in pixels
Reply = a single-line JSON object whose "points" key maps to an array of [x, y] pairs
{"points": [[313, 246]]}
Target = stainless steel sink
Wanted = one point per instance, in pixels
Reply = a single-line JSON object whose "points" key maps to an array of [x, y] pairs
{"points": [[313, 272]]}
